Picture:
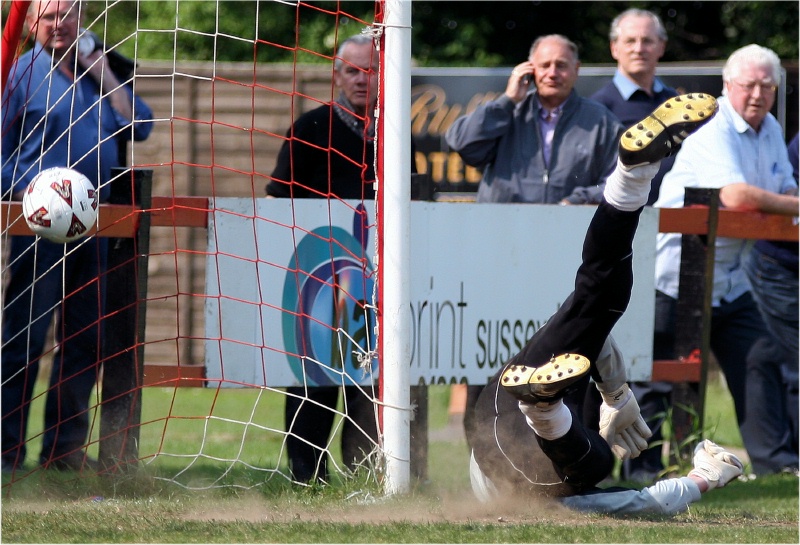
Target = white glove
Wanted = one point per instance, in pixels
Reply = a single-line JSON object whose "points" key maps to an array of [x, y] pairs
{"points": [[715, 464], [621, 423]]}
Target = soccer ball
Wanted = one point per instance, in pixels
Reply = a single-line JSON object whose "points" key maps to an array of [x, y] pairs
{"points": [[60, 205]]}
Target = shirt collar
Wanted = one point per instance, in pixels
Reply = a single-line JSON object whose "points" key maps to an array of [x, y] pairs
{"points": [[344, 109], [739, 124], [544, 111], [626, 87]]}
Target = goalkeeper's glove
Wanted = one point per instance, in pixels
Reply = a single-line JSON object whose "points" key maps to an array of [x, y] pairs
{"points": [[621, 423], [715, 464]]}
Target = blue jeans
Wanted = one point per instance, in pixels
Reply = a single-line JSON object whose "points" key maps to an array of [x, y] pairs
{"points": [[744, 350], [775, 289], [46, 278]]}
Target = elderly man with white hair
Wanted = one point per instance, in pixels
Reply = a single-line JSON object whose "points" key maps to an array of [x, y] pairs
{"points": [[742, 153]]}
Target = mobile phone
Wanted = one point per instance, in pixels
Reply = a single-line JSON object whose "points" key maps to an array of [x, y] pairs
{"points": [[86, 45], [526, 79]]}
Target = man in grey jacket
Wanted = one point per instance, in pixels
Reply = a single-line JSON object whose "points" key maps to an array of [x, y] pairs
{"points": [[540, 142]]}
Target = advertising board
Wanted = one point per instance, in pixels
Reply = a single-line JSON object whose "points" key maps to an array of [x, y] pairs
{"points": [[483, 278]]}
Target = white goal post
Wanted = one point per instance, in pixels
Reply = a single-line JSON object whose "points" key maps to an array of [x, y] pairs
{"points": [[393, 203]]}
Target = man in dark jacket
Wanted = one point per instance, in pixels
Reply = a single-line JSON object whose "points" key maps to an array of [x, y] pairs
{"points": [[525, 437], [547, 145], [329, 154]]}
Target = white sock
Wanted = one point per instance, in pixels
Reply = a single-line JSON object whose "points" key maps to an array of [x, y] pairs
{"points": [[548, 421], [627, 188]]}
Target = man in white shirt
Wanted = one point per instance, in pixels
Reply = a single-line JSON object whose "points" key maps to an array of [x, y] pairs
{"points": [[741, 151]]}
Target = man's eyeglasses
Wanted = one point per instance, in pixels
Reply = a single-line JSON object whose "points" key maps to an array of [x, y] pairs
{"points": [[766, 88]]}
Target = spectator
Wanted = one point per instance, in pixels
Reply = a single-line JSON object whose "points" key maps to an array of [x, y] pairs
{"points": [[329, 154], [61, 107], [540, 142], [526, 440], [741, 151], [638, 40], [772, 268]]}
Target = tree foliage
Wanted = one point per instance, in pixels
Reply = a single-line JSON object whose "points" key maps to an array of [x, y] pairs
{"points": [[236, 30], [500, 33], [444, 33]]}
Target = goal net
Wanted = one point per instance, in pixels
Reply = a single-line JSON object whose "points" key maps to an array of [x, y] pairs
{"points": [[240, 340]]}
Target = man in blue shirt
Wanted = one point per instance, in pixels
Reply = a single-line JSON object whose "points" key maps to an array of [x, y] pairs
{"points": [[742, 152], [637, 41], [772, 268], [61, 107]]}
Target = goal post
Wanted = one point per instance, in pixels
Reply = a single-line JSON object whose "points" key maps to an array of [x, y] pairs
{"points": [[394, 190], [12, 31], [218, 127]]}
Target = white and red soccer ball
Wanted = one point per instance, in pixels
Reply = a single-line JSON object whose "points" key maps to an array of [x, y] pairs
{"points": [[60, 204]]}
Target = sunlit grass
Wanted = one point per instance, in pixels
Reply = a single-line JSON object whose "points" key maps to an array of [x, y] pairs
{"points": [[184, 495]]}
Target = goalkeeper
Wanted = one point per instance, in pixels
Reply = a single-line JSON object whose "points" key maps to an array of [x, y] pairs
{"points": [[524, 437]]}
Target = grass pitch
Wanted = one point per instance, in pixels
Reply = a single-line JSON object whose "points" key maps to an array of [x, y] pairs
{"points": [[52, 507]]}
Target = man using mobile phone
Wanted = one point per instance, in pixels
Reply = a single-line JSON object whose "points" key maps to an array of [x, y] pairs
{"points": [[540, 142]]}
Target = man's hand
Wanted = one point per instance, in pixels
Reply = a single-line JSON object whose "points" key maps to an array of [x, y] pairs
{"points": [[621, 423], [520, 81], [97, 66]]}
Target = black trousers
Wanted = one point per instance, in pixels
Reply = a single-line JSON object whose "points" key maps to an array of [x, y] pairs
{"points": [[309, 418], [505, 447]]}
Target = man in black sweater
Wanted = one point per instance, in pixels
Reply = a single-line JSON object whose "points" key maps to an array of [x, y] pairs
{"points": [[637, 41], [329, 154]]}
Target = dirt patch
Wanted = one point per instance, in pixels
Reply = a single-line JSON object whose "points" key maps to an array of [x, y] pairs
{"points": [[384, 510]]}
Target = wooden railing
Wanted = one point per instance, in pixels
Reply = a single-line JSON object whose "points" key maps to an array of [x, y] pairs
{"points": [[124, 220], [694, 220], [121, 389]]}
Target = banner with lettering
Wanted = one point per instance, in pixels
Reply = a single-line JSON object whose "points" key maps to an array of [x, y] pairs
{"points": [[483, 278]]}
